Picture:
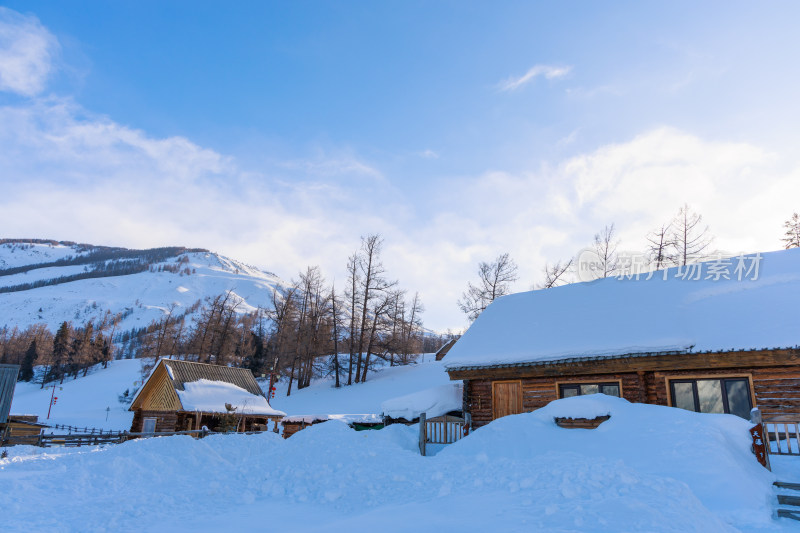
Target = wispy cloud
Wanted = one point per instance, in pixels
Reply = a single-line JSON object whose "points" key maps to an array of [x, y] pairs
{"points": [[26, 52], [429, 154], [549, 72]]}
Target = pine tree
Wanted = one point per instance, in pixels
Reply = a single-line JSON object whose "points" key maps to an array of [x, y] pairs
{"points": [[61, 350], [26, 368], [792, 234]]}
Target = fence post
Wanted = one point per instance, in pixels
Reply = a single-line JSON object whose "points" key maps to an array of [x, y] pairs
{"points": [[760, 438], [423, 437]]}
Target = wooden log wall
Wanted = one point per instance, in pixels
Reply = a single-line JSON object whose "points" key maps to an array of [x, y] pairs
{"points": [[538, 392], [776, 389], [165, 421]]}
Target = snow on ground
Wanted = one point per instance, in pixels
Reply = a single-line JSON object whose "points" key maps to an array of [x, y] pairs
{"points": [[83, 401], [621, 316], [20, 254], [648, 468], [384, 384]]}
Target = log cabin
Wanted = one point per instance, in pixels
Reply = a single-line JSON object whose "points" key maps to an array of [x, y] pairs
{"points": [[187, 396], [717, 337]]}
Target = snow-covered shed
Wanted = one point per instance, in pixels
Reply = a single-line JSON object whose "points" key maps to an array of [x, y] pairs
{"points": [[720, 336], [185, 396]]}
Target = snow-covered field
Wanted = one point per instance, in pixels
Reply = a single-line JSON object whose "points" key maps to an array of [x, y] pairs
{"points": [[648, 468], [86, 401]]}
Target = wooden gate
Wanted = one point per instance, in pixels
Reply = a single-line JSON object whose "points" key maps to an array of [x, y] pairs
{"points": [[506, 398], [440, 430]]}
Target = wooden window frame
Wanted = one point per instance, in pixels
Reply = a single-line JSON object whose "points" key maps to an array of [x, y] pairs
{"points": [[155, 424], [720, 377], [618, 381], [521, 404]]}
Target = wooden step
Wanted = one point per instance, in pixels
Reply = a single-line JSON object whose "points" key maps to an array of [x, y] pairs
{"points": [[785, 485], [787, 513], [789, 500]]}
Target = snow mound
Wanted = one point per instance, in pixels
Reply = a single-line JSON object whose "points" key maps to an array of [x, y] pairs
{"points": [[433, 402], [211, 396], [708, 453]]}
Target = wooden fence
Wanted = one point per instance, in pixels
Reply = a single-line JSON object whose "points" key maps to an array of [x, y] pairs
{"points": [[440, 430], [47, 440]]}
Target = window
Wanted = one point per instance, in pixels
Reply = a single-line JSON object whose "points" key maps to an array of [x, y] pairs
{"points": [[725, 395], [567, 390], [149, 425]]}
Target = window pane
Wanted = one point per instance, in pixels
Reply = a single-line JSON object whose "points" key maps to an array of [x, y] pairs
{"points": [[709, 392], [738, 397], [611, 390], [569, 392], [683, 395], [590, 388]]}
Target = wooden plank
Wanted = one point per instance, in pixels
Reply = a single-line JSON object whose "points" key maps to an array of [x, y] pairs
{"points": [[786, 485], [788, 513], [784, 499], [422, 434]]}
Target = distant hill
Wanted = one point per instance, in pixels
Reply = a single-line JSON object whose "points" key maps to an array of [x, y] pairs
{"points": [[48, 282]]}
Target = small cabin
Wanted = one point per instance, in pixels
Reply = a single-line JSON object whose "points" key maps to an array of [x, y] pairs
{"points": [[188, 396], [715, 337]]}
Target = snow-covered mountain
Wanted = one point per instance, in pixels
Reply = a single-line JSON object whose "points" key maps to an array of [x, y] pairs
{"points": [[50, 282]]}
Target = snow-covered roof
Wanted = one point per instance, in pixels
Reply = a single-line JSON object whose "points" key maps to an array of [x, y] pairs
{"points": [[207, 388], [212, 396], [433, 402], [740, 303]]}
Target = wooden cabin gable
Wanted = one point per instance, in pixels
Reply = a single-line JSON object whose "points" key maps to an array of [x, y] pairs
{"points": [[158, 393]]}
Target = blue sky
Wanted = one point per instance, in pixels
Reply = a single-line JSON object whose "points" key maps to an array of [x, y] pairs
{"points": [[278, 133]]}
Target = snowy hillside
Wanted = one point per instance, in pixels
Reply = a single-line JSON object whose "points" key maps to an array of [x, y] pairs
{"points": [[138, 284]]}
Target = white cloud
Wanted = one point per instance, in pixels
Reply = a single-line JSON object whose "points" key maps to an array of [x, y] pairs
{"points": [[66, 174], [26, 53], [547, 71]]}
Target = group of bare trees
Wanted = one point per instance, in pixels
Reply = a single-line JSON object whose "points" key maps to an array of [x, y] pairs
{"points": [[682, 240], [308, 330], [70, 351]]}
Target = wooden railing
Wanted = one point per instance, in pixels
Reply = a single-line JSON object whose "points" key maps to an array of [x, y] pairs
{"points": [[783, 435]]}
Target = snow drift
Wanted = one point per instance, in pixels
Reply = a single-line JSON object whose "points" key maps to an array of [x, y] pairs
{"points": [[647, 468]]}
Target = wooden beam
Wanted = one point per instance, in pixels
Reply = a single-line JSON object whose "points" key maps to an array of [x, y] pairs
{"points": [[690, 361]]}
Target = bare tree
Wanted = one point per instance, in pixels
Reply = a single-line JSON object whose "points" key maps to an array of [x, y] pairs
{"points": [[373, 285], [661, 246], [605, 246], [691, 238], [556, 274], [352, 294], [494, 280], [791, 236]]}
